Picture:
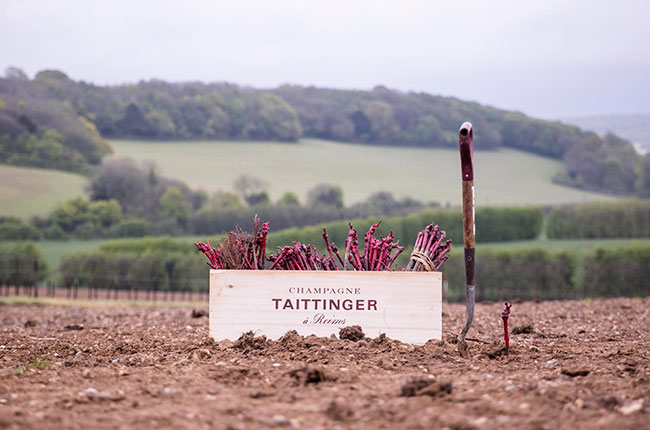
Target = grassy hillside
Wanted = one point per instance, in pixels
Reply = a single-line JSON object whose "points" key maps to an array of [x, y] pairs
{"points": [[503, 177], [25, 192]]}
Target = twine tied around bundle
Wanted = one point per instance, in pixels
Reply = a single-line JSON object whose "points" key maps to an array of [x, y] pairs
{"points": [[424, 260]]}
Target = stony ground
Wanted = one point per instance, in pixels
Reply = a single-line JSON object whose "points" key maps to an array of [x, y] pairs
{"points": [[571, 365]]}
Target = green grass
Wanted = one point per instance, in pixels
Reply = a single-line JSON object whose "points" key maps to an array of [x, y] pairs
{"points": [[504, 177], [26, 191], [577, 247]]}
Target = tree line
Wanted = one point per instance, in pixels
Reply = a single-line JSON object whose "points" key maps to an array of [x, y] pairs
{"points": [[66, 117], [528, 274], [164, 264]]}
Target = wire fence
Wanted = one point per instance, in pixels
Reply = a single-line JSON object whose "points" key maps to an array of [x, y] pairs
{"points": [[21, 277], [499, 280]]}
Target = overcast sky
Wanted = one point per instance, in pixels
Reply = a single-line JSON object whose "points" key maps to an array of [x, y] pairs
{"points": [[549, 58]]}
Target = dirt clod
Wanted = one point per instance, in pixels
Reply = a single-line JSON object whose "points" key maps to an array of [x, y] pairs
{"points": [[198, 313], [573, 372], [292, 341], [310, 375], [338, 411], [381, 339], [495, 352], [201, 354], [609, 402], [261, 394], [425, 387], [437, 389], [353, 333], [248, 341], [463, 349], [74, 327], [523, 329]]}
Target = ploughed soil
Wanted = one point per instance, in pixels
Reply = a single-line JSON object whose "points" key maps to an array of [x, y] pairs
{"points": [[570, 365]]}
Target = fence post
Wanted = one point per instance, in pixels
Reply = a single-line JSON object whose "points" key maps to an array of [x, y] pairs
{"points": [[16, 279], [76, 287], [36, 277]]}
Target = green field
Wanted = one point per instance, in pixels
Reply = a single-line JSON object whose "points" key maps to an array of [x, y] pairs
{"points": [[504, 177], [26, 191], [577, 247]]}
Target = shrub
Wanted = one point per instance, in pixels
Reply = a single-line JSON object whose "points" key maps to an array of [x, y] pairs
{"points": [[506, 224], [54, 232], [132, 227], [21, 264], [145, 269], [611, 272], [86, 218], [18, 231], [629, 218], [528, 274]]}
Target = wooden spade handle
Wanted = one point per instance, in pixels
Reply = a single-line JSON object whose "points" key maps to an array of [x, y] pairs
{"points": [[466, 143]]}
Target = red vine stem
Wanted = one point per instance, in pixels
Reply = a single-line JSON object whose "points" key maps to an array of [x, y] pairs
{"points": [[504, 315]]}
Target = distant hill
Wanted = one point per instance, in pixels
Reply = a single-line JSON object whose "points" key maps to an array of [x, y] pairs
{"points": [[53, 121], [635, 128], [41, 127]]}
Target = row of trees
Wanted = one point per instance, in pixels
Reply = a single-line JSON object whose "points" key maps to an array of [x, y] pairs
{"points": [[497, 225], [163, 264], [160, 110], [536, 274]]}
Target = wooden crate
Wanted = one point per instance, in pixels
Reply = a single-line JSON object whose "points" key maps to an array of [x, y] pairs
{"points": [[403, 305]]}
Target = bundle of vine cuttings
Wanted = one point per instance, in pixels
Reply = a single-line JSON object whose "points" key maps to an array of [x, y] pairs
{"points": [[377, 255], [247, 251], [239, 250], [429, 252]]}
